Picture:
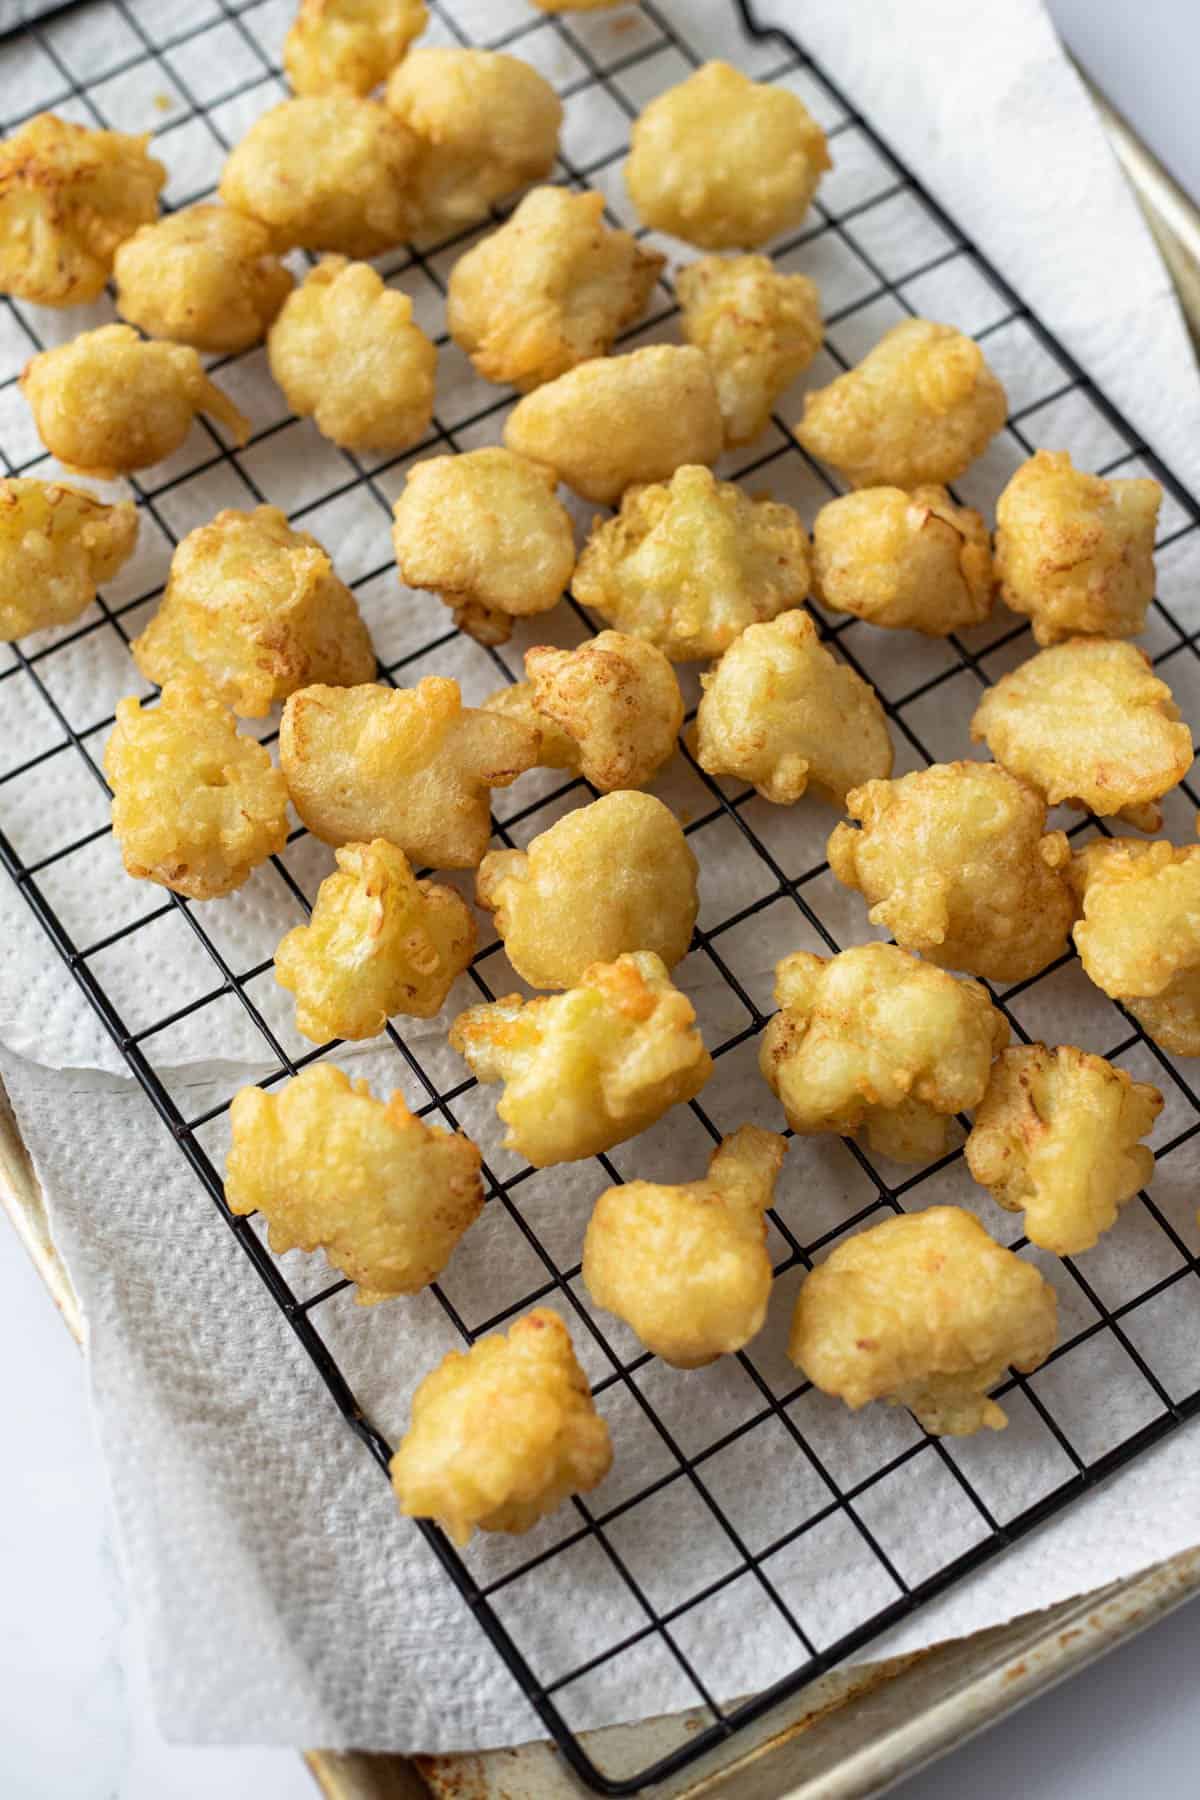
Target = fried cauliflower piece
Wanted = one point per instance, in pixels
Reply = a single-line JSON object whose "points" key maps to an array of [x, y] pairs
{"points": [[515, 700], [589, 1068], [331, 1168], [910, 562], [723, 161], [346, 353], [412, 765], [58, 544], [502, 1433], [917, 409], [758, 328], [1075, 552], [487, 533], [196, 807], [1139, 937], [68, 197], [349, 46], [617, 420], [616, 701], [780, 712], [687, 1267], [205, 276], [954, 861]]}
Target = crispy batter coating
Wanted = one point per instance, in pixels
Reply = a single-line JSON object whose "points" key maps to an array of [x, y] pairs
{"points": [[330, 1168], [1075, 552], [781, 712], [687, 1267], [1139, 937], [878, 1041], [58, 544], [912, 562], [723, 161], [255, 609], [917, 409], [758, 328], [515, 700], [502, 1433], [379, 942], [412, 765], [689, 564], [1056, 1135], [617, 420], [68, 197], [589, 1068], [205, 276], [616, 701], [955, 862], [196, 807], [349, 46], [612, 877]]}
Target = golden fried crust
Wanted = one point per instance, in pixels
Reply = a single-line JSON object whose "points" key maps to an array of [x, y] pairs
{"points": [[923, 1311], [919, 408], [913, 562], [611, 877], [57, 545], [204, 276], [1075, 552], [616, 701], [502, 1433], [196, 807], [68, 197], [955, 863], [555, 750], [589, 1068], [759, 330], [330, 1168], [349, 46], [1139, 937], [876, 1040], [687, 1267], [780, 712]]}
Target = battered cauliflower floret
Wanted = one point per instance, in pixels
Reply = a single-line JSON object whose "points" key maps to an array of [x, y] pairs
{"points": [[330, 1168], [1139, 937], [611, 877], [878, 1041], [723, 161], [687, 1267], [68, 197], [502, 1433], [780, 712], [1075, 552], [379, 942], [255, 610], [589, 1068], [616, 701], [487, 533], [108, 401], [412, 765], [955, 862], [617, 420], [1089, 722], [759, 330], [349, 46], [205, 276], [552, 288], [345, 350], [196, 807], [917, 409], [1056, 1135], [912, 562], [58, 544], [515, 700], [690, 564]]}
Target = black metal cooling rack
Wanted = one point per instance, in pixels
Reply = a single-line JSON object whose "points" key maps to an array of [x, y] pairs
{"points": [[157, 42]]}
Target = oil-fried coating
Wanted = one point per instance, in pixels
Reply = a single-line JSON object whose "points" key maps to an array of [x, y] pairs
{"points": [[955, 862], [502, 1433], [689, 564], [196, 807], [1056, 1135], [550, 289], [687, 1267], [781, 712], [255, 609], [589, 1068], [386, 1196], [349, 46], [515, 700], [617, 420], [917, 409], [723, 161], [608, 878], [205, 276], [911, 562], [108, 401], [758, 328], [412, 765], [379, 943], [616, 701], [1139, 937], [58, 544], [876, 1040], [68, 197], [1076, 552]]}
